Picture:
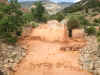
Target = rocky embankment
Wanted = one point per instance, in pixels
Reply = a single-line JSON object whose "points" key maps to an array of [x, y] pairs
{"points": [[10, 55], [90, 56]]}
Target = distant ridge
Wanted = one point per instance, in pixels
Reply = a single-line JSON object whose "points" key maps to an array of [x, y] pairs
{"points": [[51, 7]]}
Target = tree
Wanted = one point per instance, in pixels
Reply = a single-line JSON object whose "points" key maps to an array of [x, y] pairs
{"points": [[59, 16], [72, 24], [38, 12], [11, 21]]}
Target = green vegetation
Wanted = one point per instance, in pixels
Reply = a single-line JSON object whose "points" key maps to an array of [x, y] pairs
{"points": [[73, 23], [83, 6], [39, 12], [94, 14], [27, 17], [98, 36], [34, 24], [83, 21], [59, 17], [97, 20], [11, 21], [91, 30]]}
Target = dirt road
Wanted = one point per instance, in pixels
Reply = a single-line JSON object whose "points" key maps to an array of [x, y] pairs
{"points": [[45, 58], [48, 57]]}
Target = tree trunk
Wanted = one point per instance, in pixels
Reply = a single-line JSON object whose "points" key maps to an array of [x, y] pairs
{"points": [[70, 32]]}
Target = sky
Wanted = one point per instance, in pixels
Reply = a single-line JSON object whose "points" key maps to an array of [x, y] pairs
{"points": [[57, 0]]}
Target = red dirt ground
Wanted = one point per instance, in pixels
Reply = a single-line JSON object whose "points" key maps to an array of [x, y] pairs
{"points": [[47, 58]]}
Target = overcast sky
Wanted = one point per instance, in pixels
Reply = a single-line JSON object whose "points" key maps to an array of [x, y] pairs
{"points": [[57, 0]]}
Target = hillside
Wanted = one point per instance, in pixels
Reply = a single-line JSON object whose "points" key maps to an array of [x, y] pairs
{"points": [[83, 4], [65, 4], [51, 7]]}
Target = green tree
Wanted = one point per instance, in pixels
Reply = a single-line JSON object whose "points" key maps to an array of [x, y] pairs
{"points": [[59, 16], [91, 30], [11, 20], [38, 12], [72, 24]]}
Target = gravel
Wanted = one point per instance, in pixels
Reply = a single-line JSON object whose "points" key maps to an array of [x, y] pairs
{"points": [[90, 56], [10, 55]]}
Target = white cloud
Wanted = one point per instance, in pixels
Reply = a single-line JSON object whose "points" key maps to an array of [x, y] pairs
{"points": [[77, 0]]}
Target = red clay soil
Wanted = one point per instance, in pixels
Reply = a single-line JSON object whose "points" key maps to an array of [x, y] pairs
{"points": [[48, 58]]}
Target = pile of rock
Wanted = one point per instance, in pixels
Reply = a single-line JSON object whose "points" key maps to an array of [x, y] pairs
{"points": [[90, 56], [10, 55]]}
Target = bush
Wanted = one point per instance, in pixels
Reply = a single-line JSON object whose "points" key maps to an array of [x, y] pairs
{"points": [[8, 38], [94, 14], [98, 33], [34, 24], [11, 40], [91, 30], [73, 23], [98, 39], [97, 20], [59, 17], [94, 24], [27, 17], [83, 21]]}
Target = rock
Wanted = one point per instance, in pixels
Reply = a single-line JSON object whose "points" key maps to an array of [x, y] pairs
{"points": [[89, 56], [10, 47], [9, 56], [97, 64]]}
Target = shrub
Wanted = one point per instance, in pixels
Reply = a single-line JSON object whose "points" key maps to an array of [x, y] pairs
{"points": [[98, 33], [11, 40], [95, 24], [27, 17], [73, 23], [34, 24], [94, 14], [98, 39], [83, 21], [59, 17], [91, 30], [97, 20]]}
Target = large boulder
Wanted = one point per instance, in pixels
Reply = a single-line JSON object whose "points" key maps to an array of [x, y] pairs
{"points": [[52, 31]]}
